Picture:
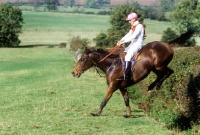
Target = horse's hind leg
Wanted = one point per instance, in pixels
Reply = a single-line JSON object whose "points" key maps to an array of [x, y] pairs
{"points": [[166, 73], [159, 76], [126, 101]]}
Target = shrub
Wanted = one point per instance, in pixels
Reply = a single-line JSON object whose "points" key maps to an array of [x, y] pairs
{"points": [[78, 43], [103, 13], [178, 103], [101, 40], [62, 45], [89, 12], [168, 35]]}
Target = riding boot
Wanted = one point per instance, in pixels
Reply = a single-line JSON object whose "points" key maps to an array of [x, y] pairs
{"points": [[126, 71]]}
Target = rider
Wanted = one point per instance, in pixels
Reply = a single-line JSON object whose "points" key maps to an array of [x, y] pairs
{"points": [[136, 37]]}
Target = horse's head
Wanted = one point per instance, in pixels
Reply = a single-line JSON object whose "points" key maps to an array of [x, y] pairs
{"points": [[83, 64], [92, 57]]}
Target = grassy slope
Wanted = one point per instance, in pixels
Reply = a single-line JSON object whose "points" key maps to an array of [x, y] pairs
{"points": [[40, 96], [54, 28]]}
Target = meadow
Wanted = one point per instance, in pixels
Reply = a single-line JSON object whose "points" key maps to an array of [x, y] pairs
{"points": [[40, 96], [55, 28]]}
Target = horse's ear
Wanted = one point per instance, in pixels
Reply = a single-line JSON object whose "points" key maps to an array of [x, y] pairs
{"points": [[85, 50], [91, 55]]}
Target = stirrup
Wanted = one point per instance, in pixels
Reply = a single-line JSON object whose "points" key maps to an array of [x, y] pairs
{"points": [[124, 77]]}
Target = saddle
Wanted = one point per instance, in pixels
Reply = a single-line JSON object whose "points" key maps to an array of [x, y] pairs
{"points": [[135, 58]]}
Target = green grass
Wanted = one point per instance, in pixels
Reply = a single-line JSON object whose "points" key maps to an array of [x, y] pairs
{"points": [[40, 96], [55, 28]]}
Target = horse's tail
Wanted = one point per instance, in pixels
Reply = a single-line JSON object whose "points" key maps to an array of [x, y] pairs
{"points": [[183, 38]]}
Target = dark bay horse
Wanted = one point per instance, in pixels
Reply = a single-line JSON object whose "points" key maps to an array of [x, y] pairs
{"points": [[154, 56]]}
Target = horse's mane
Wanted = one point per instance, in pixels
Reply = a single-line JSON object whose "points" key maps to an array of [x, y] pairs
{"points": [[100, 51]]}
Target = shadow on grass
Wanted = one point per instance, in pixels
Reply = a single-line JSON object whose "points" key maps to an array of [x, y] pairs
{"points": [[38, 46], [184, 122]]}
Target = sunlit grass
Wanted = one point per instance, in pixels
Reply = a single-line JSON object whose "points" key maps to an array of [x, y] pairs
{"points": [[55, 28], [40, 96]]}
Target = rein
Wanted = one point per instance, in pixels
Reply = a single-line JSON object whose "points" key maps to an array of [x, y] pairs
{"points": [[110, 52], [98, 71]]}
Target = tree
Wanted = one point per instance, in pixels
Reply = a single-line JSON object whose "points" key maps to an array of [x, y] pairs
{"points": [[10, 25], [35, 3], [101, 40], [186, 17], [119, 27], [168, 5], [51, 4], [103, 2], [72, 3], [96, 3], [168, 35]]}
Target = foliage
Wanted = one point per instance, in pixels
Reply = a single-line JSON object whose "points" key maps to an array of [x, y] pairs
{"points": [[72, 3], [103, 13], [51, 4], [178, 102], [185, 17], [119, 27], [96, 3], [168, 5], [168, 35], [101, 40], [35, 3], [78, 43], [10, 25], [154, 13]]}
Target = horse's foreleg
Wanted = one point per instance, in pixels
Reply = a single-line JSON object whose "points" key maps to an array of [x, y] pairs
{"points": [[108, 95], [126, 101]]}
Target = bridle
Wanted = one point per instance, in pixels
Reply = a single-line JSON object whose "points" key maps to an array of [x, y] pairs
{"points": [[97, 70], [81, 70]]}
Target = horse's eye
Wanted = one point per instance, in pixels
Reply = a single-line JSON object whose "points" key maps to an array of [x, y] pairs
{"points": [[82, 59]]}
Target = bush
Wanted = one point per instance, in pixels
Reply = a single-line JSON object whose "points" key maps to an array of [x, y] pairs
{"points": [[178, 103], [62, 45], [10, 25], [168, 35], [103, 13], [101, 40], [89, 12], [78, 43]]}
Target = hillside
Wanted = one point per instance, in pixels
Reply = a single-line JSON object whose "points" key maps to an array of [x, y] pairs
{"points": [[113, 2]]}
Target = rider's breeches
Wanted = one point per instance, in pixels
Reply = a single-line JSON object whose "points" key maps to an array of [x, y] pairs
{"points": [[131, 50]]}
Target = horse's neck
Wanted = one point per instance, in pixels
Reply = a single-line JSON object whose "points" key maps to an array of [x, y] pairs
{"points": [[104, 65]]}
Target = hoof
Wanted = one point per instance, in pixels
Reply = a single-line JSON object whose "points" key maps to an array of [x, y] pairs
{"points": [[126, 116], [149, 93], [94, 114]]}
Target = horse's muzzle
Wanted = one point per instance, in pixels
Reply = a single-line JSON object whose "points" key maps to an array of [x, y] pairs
{"points": [[76, 74]]}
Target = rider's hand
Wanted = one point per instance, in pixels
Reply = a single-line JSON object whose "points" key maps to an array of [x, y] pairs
{"points": [[119, 43]]}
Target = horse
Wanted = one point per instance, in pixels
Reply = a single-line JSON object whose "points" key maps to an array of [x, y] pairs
{"points": [[154, 56]]}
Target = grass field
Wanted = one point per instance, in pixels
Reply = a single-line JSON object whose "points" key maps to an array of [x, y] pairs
{"points": [[40, 96], [54, 28]]}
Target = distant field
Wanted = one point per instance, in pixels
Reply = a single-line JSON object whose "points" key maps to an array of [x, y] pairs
{"points": [[54, 28]]}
